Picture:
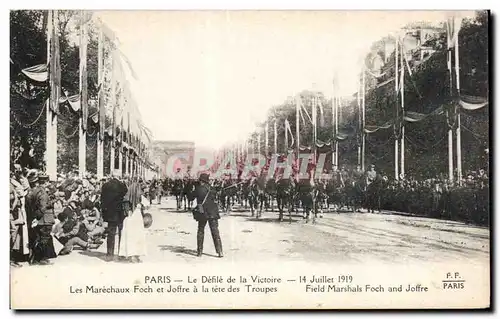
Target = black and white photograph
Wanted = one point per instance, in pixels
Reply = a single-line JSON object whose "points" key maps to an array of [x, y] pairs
{"points": [[245, 159]]}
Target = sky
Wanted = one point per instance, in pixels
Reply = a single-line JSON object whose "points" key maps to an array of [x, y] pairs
{"points": [[210, 76]]}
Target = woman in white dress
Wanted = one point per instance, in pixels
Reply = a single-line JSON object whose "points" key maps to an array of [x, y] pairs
{"points": [[133, 239]]}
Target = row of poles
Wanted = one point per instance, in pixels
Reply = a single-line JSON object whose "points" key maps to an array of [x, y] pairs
{"points": [[129, 163], [453, 115]]}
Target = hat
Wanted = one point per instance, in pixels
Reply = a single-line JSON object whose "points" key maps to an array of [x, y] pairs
{"points": [[147, 219], [33, 178], [204, 177]]}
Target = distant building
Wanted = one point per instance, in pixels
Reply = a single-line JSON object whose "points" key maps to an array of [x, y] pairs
{"points": [[171, 155], [417, 46]]}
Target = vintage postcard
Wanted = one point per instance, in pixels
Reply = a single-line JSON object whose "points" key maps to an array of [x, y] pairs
{"points": [[249, 159]]}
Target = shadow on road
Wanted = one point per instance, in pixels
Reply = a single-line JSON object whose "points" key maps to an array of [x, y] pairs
{"points": [[274, 220], [178, 249], [102, 256]]}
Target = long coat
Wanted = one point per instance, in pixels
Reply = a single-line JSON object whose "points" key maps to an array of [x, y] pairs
{"points": [[210, 207], [112, 194], [38, 207]]}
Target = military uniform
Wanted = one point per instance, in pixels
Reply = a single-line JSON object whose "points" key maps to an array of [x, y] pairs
{"points": [[40, 218]]}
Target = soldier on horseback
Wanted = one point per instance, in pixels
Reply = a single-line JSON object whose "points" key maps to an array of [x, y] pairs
{"points": [[178, 187]]}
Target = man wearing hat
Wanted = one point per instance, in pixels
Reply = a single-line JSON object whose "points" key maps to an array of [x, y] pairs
{"points": [[112, 210], [371, 188], [208, 213], [40, 218]]}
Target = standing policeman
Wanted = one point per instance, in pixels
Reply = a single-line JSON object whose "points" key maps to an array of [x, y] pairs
{"points": [[207, 211]]}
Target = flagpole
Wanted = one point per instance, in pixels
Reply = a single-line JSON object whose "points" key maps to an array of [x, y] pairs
{"points": [[275, 137], [334, 127], [286, 138], [402, 112], [396, 122], [120, 142], [459, 133], [82, 127], [363, 146], [48, 126], [314, 112], [100, 101], [113, 121], [448, 113], [53, 101], [267, 139], [360, 126], [297, 130], [337, 121]]}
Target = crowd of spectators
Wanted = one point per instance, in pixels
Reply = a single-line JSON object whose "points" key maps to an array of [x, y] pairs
{"points": [[441, 198], [50, 218]]}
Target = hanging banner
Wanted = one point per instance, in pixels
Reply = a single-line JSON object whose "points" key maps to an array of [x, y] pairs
{"points": [[412, 117], [73, 101], [95, 117], [369, 129], [471, 103], [37, 73]]}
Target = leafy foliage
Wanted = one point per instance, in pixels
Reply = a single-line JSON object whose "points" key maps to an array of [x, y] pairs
{"points": [[426, 149], [28, 47]]}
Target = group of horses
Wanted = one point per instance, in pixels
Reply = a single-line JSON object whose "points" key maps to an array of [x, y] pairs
{"points": [[287, 195]]}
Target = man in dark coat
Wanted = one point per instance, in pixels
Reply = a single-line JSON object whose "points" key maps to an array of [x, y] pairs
{"points": [[40, 218], [112, 194], [205, 197]]}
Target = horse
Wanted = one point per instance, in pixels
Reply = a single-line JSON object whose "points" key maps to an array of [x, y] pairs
{"points": [[152, 191], [321, 196], [228, 192], [257, 197], [188, 193], [334, 192], [306, 193], [270, 192], [355, 188], [217, 187], [374, 194], [177, 191], [245, 193], [284, 197], [165, 185]]}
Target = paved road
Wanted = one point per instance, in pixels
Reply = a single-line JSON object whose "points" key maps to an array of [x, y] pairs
{"points": [[342, 238]]}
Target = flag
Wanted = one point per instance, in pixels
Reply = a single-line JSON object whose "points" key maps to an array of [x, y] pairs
{"points": [[289, 130], [321, 114], [307, 113], [298, 101], [453, 26]]}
